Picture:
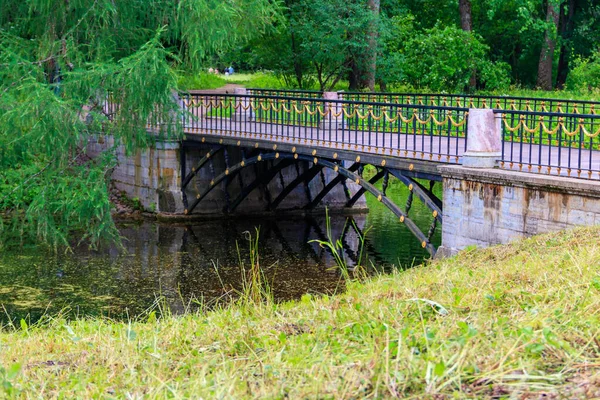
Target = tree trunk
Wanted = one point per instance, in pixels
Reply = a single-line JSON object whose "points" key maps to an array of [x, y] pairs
{"points": [[544, 79], [298, 72], [367, 78], [353, 73], [566, 32], [464, 7], [466, 23]]}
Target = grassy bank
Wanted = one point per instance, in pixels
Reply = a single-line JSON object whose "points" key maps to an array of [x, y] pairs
{"points": [[520, 321]]}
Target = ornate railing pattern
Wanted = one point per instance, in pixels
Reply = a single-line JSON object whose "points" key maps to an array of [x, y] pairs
{"points": [[544, 135], [552, 143], [416, 131], [513, 103], [561, 142]]}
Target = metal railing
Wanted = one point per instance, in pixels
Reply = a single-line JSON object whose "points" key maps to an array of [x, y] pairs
{"points": [[415, 131], [552, 143], [455, 100], [557, 143], [307, 94]]}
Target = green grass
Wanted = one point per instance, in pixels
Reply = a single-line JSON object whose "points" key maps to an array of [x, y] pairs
{"points": [[514, 91], [201, 81], [263, 80], [554, 94], [241, 78], [519, 321]]}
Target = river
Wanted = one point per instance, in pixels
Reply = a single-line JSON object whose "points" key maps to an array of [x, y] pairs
{"points": [[179, 267]]}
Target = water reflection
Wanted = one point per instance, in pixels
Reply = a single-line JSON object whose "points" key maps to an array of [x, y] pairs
{"points": [[185, 265]]}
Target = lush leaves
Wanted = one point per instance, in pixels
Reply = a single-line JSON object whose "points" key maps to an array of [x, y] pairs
{"points": [[585, 75], [316, 44], [512, 33], [61, 62], [441, 58]]}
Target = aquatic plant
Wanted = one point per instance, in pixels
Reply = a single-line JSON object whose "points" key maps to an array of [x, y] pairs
{"points": [[336, 248], [255, 286]]}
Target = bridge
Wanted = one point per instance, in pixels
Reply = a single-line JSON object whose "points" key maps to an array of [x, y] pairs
{"points": [[509, 166]]}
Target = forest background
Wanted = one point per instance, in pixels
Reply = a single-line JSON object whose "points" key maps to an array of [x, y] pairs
{"points": [[59, 60], [436, 45]]}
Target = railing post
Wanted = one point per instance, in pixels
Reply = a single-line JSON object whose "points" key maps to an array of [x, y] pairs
{"points": [[484, 139], [331, 121], [243, 111]]}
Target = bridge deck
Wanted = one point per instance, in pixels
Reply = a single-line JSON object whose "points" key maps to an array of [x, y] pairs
{"points": [[427, 146]]}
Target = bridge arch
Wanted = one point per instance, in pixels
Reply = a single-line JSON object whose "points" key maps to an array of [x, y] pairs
{"points": [[352, 173]]}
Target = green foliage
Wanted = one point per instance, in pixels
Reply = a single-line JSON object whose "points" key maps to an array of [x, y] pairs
{"points": [[328, 32], [61, 63], [316, 44], [396, 32], [133, 203], [11, 186], [585, 76], [512, 32], [75, 200], [7, 376], [443, 59], [495, 75]]}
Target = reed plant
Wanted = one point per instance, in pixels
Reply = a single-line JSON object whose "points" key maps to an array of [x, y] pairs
{"points": [[335, 247], [255, 286]]}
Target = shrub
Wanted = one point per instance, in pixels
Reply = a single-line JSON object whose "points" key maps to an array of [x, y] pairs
{"points": [[444, 59], [585, 75], [495, 75]]}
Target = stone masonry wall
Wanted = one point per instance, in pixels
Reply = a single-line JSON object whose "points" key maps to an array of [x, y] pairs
{"points": [[152, 175], [485, 207]]}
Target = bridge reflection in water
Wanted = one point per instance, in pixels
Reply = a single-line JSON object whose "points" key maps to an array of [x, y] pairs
{"points": [[189, 264]]}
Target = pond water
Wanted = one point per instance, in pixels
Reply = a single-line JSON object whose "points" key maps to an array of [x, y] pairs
{"points": [[187, 265]]}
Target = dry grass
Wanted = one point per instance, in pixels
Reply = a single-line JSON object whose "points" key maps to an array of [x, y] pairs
{"points": [[517, 321]]}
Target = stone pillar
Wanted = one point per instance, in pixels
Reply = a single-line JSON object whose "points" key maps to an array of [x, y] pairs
{"points": [[331, 121], [243, 112], [152, 175], [484, 139]]}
